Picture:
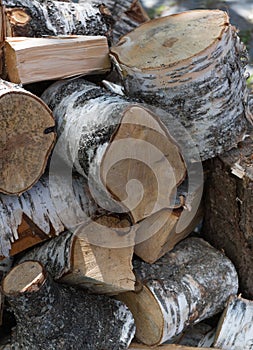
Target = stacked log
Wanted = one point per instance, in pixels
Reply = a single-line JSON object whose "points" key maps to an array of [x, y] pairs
{"points": [[202, 83], [124, 176]]}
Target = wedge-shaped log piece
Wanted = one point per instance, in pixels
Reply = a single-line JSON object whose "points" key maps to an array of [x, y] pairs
{"points": [[31, 60], [125, 152], [185, 286], [51, 316], [235, 329], [191, 64], [26, 138], [71, 259], [33, 18]]}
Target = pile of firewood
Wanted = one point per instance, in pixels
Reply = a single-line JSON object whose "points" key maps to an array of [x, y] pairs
{"points": [[112, 127]]}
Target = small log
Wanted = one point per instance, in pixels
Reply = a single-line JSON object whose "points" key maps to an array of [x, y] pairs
{"points": [[185, 286], [26, 138], [200, 335], [128, 157], [33, 18], [136, 346], [228, 209], [191, 64], [51, 316], [235, 329], [73, 260], [31, 60]]}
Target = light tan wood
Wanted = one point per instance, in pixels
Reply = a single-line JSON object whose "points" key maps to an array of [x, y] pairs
{"points": [[30, 60], [74, 260], [136, 346], [32, 276], [148, 155], [26, 138]]}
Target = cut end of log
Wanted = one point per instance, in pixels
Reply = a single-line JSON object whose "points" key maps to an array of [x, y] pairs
{"points": [[26, 277], [141, 153], [26, 140], [148, 39], [149, 323]]}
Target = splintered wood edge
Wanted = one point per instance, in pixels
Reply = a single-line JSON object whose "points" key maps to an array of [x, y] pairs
{"points": [[26, 277], [14, 187], [147, 315], [170, 36], [135, 123]]}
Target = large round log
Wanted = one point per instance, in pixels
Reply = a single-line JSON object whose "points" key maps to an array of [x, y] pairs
{"points": [[127, 155], [38, 18], [26, 138], [191, 64], [185, 286], [51, 316]]}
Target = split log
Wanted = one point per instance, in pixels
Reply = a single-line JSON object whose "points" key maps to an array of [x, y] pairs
{"points": [[235, 329], [51, 316], [191, 64], [187, 285], [31, 60], [26, 138], [136, 346], [160, 232], [122, 148], [34, 18], [228, 209], [73, 260], [94, 257]]}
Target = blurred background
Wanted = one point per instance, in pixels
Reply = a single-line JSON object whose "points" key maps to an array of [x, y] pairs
{"points": [[240, 13]]}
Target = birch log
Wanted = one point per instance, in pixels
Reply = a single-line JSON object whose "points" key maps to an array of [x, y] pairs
{"points": [[235, 329], [128, 157], [73, 260], [228, 209], [187, 285], [34, 18], [26, 138], [51, 316], [127, 15], [191, 64]]}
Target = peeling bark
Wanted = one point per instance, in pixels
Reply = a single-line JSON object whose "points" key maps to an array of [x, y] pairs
{"points": [[203, 87], [26, 138], [187, 285], [39, 18], [51, 316]]}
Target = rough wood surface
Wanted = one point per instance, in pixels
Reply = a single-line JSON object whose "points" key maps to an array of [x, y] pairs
{"points": [[235, 329], [122, 148], [191, 64], [31, 60], [228, 223], [51, 316], [71, 259], [36, 216], [26, 138], [39, 18], [185, 286]]}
